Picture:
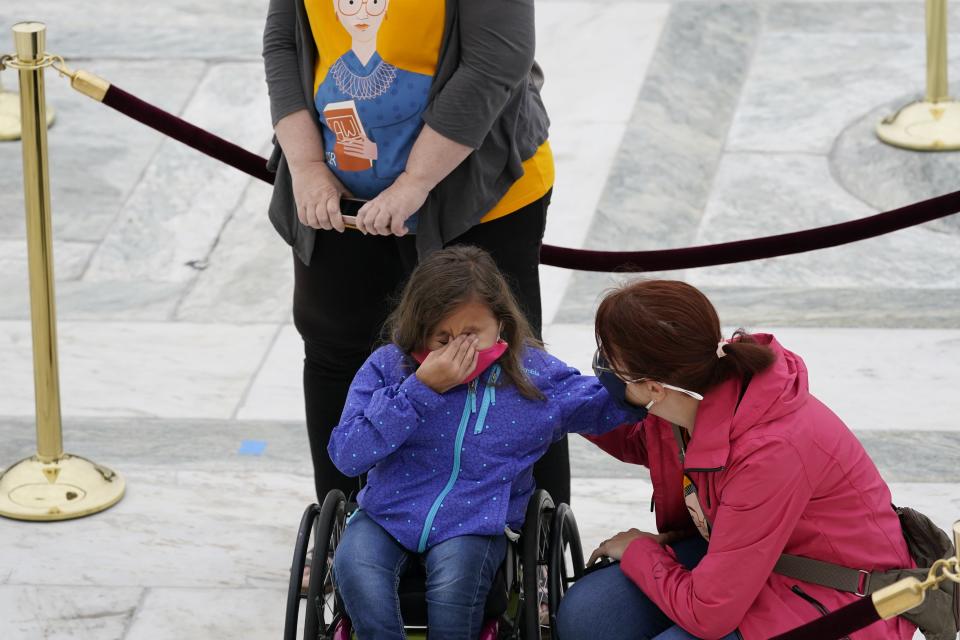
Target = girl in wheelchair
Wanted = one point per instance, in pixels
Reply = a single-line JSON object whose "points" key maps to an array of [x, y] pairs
{"points": [[447, 421]]}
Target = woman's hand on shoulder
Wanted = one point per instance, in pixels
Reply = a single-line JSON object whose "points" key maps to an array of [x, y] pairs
{"points": [[317, 193], [387, 214], [449, 366], [616, 546]]}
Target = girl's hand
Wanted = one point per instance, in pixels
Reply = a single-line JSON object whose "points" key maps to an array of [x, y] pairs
{"points": [[616, 546], [386, 214], [449, 366], [317, 193]]}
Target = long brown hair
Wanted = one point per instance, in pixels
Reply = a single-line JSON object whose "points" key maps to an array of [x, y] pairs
{"points": [[445, 280], [668, 331]]}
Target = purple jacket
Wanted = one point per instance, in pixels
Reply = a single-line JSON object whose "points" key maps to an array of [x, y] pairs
{"points": [[458, 463]]}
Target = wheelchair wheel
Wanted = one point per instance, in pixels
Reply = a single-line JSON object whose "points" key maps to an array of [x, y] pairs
{"points": [[534, 563], [296, 571], [566, 559], [323, 608]]}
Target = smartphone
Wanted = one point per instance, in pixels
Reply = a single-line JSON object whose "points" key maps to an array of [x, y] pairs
{"points": [[349, 208]]}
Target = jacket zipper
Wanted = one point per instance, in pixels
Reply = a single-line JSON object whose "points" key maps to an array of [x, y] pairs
{"points": [[469, 407], [489, 398], [814, 602]]}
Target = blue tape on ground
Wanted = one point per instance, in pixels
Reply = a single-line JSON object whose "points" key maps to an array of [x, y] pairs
{"points": [[252, 447]]}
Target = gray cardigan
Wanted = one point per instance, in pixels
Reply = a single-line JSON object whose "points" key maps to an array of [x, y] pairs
{"points": [[485, 94]]}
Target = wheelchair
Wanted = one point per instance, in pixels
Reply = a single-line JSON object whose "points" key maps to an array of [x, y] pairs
{"points": [[540, 565]]}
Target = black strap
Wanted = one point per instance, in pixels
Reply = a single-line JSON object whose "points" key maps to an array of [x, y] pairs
{"points": [[680, 444], [825, 574]]}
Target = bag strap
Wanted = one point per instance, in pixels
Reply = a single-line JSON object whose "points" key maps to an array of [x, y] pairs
{"points": [[678, 436], [825, 574]]}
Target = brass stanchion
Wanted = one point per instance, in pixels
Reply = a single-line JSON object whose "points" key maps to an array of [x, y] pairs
{"points": [[931, 124], [51, 485], [10, 113]]}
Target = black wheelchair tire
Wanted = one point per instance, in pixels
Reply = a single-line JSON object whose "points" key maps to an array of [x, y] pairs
{"points": [[296, 571], [564, 534], [328, 530], [535, 540]]}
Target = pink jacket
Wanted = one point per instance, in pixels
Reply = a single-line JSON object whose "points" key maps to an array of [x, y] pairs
{"points": [[778, 474]]}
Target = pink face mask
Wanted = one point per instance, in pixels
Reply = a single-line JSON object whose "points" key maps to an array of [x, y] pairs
{"points": [[485, 358]]}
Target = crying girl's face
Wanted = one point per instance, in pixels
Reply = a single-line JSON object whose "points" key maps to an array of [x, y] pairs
{"points": [[470, 318]]}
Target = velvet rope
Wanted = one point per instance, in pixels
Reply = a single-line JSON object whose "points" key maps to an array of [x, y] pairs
{"points": [[584, 259], [191, 135], [836, 625], [755, 248]]}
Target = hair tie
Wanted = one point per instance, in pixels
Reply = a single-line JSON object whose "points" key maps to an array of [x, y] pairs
{"points": [[720, 351]]}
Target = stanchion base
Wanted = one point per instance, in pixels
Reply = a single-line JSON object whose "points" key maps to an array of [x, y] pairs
{"points": [[923, 126], [69, 487], [10, 116]]}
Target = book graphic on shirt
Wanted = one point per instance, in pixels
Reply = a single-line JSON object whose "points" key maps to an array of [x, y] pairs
{"points": [[344, 121]]}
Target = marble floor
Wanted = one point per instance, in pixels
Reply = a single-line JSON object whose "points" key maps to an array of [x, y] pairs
{"points": [[674, 123]]}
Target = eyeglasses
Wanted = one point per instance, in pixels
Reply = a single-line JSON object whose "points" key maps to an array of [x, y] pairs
{"points": [[352, 7], [602, 365]]}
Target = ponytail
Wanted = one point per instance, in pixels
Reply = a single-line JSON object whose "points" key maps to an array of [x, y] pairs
{"points": [[743, 357]]}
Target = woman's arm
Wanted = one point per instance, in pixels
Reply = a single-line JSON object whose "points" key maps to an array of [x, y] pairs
{"points": [[625, 443], [280, 61], [378, 419], [497, 43], [316, 190], [300, 140], [762, 502]]}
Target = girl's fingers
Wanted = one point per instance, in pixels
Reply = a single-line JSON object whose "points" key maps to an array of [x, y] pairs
{"points": [[472, 363], [469, 351], [448, 351], [470, 357], [461, 353]]}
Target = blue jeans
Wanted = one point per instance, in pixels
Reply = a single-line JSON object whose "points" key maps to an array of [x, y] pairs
{"points": [[367, 568], [607, 604]]}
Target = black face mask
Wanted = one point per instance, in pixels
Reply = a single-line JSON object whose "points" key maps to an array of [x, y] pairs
{"points": [[617, 389]]}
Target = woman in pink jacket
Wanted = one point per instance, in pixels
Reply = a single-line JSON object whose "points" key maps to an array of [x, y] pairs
{"points": [[746, 465]]}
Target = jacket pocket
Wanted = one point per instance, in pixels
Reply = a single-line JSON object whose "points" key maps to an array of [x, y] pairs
{"points": [[816, 604]]}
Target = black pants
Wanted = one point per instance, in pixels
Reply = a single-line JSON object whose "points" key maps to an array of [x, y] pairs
{"points": [[342, 299]]}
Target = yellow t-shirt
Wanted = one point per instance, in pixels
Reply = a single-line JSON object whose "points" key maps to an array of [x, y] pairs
{"points": [[376, 61]]}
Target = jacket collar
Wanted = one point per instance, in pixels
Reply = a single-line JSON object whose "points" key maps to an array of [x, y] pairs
{"points": [[709, 448]]}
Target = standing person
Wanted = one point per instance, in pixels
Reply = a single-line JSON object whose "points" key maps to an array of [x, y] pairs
{"points": [[740, 455], [431, 111]]}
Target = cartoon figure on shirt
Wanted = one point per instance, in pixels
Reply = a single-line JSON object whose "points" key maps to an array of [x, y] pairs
{"points": [[693, 506], [370, 108]]}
